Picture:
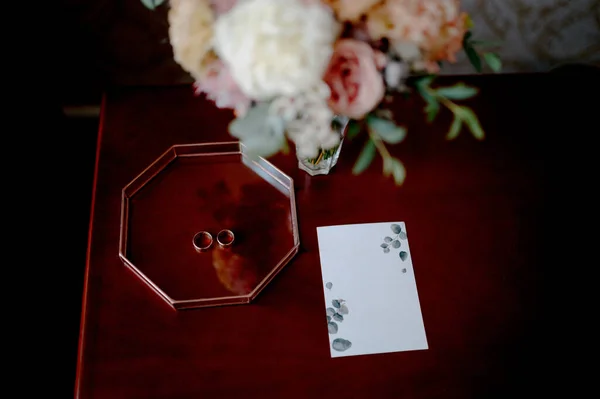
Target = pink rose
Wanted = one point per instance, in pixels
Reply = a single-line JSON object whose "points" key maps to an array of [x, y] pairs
{"points": [[354, 77], [222, 6], [218, 85]]}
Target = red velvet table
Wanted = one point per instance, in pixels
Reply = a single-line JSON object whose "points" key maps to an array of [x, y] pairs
{"points": [[475, 215]]}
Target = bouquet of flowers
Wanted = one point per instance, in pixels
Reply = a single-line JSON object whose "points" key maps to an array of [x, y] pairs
{"points": [[311, 71]]}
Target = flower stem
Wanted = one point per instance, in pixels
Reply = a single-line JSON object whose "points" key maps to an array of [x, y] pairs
{"points": [[381, 148], [323, 154], [320, 157], [447, 103]]}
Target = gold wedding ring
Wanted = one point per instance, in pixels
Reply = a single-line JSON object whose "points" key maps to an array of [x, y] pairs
{"points": [[202, 241], [225, 238]]}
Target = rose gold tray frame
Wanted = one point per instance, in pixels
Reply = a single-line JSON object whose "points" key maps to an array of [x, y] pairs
{"points": [[261, 167]]}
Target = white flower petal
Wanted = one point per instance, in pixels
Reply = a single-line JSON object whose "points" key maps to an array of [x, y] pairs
{"points": [[276, 47]]}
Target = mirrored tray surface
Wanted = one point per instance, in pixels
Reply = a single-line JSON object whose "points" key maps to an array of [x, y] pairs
{"points": [[208, 187]]}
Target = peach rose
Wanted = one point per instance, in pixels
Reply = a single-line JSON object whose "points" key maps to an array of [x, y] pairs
{"points": [[350, 10], [222, 6], [354, 77], [434, 27]]}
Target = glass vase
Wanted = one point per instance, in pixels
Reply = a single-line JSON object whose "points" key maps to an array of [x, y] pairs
{"points": [[324, 162]]}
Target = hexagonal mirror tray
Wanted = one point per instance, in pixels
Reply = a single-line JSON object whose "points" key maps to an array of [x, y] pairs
{"points": [[209, 187]]}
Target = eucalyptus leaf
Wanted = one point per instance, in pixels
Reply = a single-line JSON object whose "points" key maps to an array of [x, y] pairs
{"points": [[332, 327], [402, 235], [454, 128], [329, 285], [472, 122], [396, 228], [396, 244], [432, 106], [336, 304], [472, 55], [353, 130], [459, 91], [387, 239], [338, 317], [387, 130], [365, 158], [262, 134], [403, 255], [341, 345], [493, 61], [432, 109], [386, 250], [424, 82], [397, 170], [384, 245], [328, 319], [330, 311], [343, 310], [152, 4]]}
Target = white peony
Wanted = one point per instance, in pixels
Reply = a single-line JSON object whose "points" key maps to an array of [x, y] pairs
{"points": [[276, 47], [307, 120]]}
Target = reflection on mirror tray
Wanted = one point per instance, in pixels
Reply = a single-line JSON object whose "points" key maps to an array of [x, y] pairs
{"points": [[222, 236], [238, 274]]}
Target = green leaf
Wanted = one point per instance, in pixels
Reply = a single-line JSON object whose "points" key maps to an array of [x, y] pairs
{"points": [[424, 82], [262, 134], [454, 128], [152, 4], [433, 106], [387, 130], [471, 52], [474, 58], [395, 168], [396, 228], [332, 327], [365, 158], [353, 129], [403, 255], [471, 120], [432, 109], [493, 61], [336, 304], [459, 91], [340, 344]]}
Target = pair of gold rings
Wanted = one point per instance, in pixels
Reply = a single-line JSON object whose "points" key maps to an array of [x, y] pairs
{"points": [[203, 240]]}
